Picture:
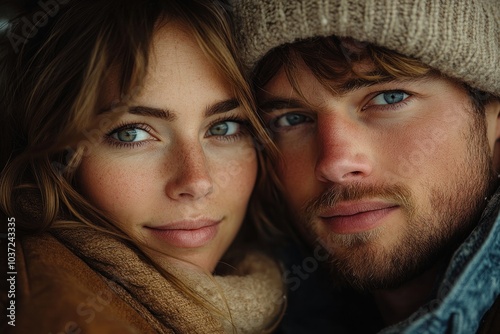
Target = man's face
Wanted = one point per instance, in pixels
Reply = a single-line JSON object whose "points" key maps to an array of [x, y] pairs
{"points": [[387, 177]]}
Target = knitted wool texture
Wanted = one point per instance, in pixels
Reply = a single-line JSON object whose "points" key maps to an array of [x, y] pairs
{"points": [[460, 38]]}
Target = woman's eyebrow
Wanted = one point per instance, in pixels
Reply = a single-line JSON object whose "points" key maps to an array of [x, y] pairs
{"points": [[153, 112], [221, 107], [142, 111]]}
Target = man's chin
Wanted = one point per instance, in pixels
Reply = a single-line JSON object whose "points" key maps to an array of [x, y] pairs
{"points": [[353, 276], [365, 264]]}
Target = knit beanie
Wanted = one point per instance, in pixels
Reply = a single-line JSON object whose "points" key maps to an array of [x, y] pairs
{"points": [[460, 38]]}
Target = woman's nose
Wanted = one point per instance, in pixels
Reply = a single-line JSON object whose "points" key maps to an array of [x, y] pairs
{"points": [[191, 179]]}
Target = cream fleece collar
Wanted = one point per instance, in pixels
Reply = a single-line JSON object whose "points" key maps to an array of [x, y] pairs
{"points": [[250, 302]]}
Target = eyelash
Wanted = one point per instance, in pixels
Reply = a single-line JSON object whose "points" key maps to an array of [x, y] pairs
{"points": [[389, 107], [244, 124], [124, 126], [272, 122]]}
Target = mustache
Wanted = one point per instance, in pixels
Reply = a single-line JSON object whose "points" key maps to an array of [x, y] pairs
{"points": [[396, 193]]}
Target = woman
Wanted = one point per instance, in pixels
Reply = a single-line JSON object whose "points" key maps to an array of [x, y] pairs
{"points": [[133, 161]]}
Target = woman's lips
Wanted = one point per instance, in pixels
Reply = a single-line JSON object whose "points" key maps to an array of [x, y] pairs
{"points": [[187, 233], [356, 217]]}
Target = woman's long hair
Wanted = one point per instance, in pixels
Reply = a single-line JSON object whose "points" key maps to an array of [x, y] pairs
{"points": [[55, 77], [55, 70]]}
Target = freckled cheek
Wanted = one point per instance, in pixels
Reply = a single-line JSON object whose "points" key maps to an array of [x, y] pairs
{"points": [[114, 188]]}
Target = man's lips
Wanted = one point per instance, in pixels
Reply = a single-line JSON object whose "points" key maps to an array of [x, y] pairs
{"points": [[356, 216], [352, 208], [187, 233]]}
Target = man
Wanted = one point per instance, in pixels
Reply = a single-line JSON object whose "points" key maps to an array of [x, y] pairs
{"points": [[387, 117]]}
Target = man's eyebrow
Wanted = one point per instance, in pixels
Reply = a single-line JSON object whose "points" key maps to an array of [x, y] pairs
{"points": [[280, 103], [355, 84], [358, 83], [222, 107], [346, 87]]}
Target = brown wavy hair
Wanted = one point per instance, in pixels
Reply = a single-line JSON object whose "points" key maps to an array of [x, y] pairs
{"points": [[55, 80]]}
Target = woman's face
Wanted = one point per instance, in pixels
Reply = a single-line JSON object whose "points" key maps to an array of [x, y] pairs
{"points": [[176, 171]]}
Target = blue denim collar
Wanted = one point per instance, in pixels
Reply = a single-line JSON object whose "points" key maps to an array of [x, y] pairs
{"points": [[470, 284]]}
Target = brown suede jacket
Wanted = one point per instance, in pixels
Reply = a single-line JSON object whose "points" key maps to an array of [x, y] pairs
{"points": [[56, 292]]}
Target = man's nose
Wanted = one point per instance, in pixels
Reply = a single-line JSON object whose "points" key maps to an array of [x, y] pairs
{"points": [[343, 150], [190, 178]]}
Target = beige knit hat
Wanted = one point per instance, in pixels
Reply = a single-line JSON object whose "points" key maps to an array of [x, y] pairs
{"points": [[461, 38]]}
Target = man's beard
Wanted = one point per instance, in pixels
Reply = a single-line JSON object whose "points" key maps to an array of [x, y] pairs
{"points": [[360, 260]]}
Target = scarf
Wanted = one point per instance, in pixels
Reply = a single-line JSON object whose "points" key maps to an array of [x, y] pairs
{"points": [[252, 301]]}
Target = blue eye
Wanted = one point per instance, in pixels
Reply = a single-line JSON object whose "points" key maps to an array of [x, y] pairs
{"points": [[390, 97], [130, 134], [226, 128], [290, 119]]}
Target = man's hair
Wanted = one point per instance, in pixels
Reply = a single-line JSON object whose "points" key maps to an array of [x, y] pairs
{"points": [[332, 59]]}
